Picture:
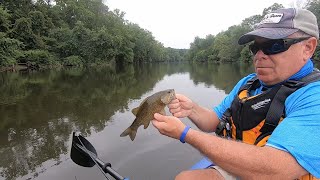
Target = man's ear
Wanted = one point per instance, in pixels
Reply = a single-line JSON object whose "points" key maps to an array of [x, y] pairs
{"points": [[310, 47]]}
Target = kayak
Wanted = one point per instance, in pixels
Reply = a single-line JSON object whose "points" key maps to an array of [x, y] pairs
{"points": [[202, 164]]}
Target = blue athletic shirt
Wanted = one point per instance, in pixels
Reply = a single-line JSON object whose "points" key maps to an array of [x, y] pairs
{"points": [[299, 132]]}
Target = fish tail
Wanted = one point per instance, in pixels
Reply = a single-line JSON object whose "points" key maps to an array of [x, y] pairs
{"points": [[129, 131]]}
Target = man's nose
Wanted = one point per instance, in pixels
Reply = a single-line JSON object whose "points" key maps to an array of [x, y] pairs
{"points": [[259, 56], [260, 53]]}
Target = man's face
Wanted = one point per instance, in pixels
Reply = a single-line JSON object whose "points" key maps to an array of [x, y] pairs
{"points": [[275, 68]]}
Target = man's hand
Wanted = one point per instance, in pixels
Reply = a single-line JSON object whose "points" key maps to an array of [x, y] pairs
{"points": [[181, 106], [168, 125]]}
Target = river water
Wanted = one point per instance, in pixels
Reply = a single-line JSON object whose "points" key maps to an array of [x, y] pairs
{"points": [[40, 110]]}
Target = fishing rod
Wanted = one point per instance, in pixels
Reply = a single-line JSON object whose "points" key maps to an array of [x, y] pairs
{"points": [[84, 154]]}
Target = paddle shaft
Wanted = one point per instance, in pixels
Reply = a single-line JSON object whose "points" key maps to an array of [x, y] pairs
{"points": [[106, 167]]}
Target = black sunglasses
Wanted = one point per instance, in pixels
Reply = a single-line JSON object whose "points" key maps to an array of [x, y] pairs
{"points": [[274, 46]]}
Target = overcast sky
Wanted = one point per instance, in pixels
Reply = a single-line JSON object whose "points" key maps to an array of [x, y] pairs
{"points": [[176, 23]]}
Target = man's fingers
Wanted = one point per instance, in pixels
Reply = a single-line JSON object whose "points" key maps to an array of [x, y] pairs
{"points": [[159, 117], [178, 114], [174, 101], [174, 105], [156, 123], [159, 125], [175, 110], [180, 96]]}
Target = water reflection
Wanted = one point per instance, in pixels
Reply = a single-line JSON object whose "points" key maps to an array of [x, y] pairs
{"points": [[39, 110], [222, 76]]}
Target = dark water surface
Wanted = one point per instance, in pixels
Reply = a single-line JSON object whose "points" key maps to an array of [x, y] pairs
{"points": [[39, 111]]}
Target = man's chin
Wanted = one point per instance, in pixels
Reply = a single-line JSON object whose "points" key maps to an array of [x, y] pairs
{"points": [[266, 79]]}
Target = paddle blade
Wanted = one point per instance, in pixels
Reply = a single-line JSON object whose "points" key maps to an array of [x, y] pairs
{"points": [[81, 151]]}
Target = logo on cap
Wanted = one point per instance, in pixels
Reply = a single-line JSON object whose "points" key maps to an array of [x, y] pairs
{"points": [[272, 18]]}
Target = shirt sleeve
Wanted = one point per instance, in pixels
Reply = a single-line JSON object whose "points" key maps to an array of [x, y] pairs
{"points": [[299, 132], [226, 103]]}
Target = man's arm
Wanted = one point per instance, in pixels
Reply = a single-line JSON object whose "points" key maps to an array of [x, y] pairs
{"points": [[205, 119], [244, 160]]}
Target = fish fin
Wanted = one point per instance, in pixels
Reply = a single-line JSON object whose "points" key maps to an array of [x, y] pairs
{"points": [[132, 135], [163, 112], [143, 101], [129, 131], [146, 124], [135, 110]]}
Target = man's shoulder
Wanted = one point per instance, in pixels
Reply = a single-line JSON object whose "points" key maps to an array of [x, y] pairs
{"points": [[310, 92], [313, 87]]}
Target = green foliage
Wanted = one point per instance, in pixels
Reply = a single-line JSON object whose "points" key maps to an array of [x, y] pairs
{"points": [[102, 44], [40, 24], [18, 8], [22, 31], [224, 46], [79, 40], [4, 20], [73, 61], [314, 6], [60, 42], [251, 21], [174, 55], [87, 32], [245, 55], [37, 57], [9, 50], [273, 7], [202, 49], [86, 29], [316, 55]]}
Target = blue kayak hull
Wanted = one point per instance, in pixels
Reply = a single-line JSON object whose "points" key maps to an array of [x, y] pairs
{"points": [[202, 164]]}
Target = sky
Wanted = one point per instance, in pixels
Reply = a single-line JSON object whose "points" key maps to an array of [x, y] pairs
{"points": [[175, 23]]}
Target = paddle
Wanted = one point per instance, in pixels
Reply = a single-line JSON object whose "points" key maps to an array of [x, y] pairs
{"points": [[84, 154]]}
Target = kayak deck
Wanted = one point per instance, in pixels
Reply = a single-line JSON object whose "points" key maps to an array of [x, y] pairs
{"points": [[202, 164]]}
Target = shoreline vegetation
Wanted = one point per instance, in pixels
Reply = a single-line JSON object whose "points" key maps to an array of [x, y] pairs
{"points": [[49, 34]]}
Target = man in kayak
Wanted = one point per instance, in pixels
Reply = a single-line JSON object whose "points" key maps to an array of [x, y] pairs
{"points": [[273, 115]]}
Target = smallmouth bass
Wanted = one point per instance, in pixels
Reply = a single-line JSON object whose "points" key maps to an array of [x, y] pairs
{"points": [[149, 106]]}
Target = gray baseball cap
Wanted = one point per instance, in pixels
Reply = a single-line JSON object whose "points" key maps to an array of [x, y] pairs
{"points": [[281, 23]]}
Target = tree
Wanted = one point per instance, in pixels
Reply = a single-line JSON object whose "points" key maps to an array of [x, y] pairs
{"points": [[314, 7], [273, 7], [4, 20], [245, 55], [38, 23], [18, 8], [102, 45], [78, 31], [251, 21], [22, 31], [9, 50]]}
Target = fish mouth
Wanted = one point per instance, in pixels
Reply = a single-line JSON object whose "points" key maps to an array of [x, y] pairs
{"points": [[173, 94], [169, 97]]}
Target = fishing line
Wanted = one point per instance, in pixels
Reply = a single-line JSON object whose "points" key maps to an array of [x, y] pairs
{"points": [[93, 159]]}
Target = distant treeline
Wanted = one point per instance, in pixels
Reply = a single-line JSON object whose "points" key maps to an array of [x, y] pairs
{"points": [[224, 46], [50, 33]]}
